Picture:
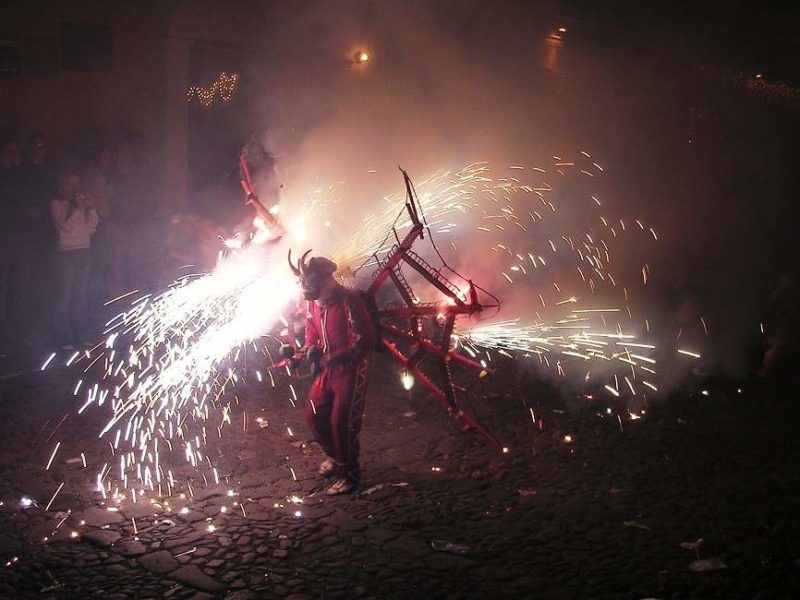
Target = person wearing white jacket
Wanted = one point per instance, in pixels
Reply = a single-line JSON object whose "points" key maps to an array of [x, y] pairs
{"points": [[75, 218]]}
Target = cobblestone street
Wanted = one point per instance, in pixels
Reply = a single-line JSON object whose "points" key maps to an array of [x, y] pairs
{"points": [[582, 506]]}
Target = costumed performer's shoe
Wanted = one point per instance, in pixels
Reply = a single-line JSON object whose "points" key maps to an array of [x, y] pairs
{"points": [[342, 486]]}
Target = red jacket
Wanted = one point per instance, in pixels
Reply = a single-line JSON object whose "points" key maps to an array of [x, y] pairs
{"points": [[342, 329]]}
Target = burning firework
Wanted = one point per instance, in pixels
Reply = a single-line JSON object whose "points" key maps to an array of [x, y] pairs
{"points": [[169, 361]]}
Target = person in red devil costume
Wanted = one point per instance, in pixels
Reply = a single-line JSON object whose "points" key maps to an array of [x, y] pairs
{"points": [[339, 340]]}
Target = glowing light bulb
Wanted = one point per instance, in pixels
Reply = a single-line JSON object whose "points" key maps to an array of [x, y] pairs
{"points": [[407, 379]]}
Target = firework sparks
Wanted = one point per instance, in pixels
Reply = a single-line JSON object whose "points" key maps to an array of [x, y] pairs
{"points": [[160, 368], [169, 361], [554, 342], [458, 203]]}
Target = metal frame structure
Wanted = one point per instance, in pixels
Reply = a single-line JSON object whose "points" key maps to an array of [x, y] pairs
{"points": [[402, 327], [408, 345]]}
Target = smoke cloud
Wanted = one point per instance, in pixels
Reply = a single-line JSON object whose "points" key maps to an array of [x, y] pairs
{"points": [[450, 83]]}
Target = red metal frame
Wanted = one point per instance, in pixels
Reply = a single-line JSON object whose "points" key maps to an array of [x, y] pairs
{"points": [[439, 317], [251, 199]]}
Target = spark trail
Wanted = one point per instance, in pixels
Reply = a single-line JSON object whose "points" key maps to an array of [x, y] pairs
{"points": [[169, 361]]}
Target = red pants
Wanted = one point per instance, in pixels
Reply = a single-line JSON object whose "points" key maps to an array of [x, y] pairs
{"points": [[334, 414]]}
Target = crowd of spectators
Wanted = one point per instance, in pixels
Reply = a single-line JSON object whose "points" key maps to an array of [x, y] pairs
{"points": [[73, 234]]}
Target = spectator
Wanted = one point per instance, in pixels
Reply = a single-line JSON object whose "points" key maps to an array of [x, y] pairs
{"points": [[98, 184], [40, 184], [37, 253], [75, 218], [10, 234], [133, 210], [97, 180]]}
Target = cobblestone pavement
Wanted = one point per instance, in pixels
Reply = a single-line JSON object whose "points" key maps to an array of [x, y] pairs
{"points": [[616, 512]]}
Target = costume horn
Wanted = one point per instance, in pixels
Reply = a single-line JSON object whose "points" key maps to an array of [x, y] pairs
{"points": [[302, 262], [295, 270]]}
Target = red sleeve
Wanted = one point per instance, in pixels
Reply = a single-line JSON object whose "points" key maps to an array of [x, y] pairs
{"points": [[312, 333]]}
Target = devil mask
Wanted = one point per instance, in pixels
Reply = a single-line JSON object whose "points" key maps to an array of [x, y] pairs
{"points": [[313, 274]]}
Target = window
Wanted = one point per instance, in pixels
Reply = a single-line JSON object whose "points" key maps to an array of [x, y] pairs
{"points": [[86, 47]]}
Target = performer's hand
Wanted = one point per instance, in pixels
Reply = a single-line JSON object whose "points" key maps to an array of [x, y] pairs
{"points": [[316, 358]]}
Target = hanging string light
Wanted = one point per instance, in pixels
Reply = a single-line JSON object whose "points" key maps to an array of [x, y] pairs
{"points": [[224, 87]]}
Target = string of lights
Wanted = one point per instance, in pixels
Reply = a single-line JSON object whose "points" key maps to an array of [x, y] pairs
{"points": [[224, 87]]}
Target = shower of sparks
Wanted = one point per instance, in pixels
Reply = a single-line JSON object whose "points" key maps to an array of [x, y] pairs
{"points": [[169, 362], [517, 220], [558, 252], [573, 337]]}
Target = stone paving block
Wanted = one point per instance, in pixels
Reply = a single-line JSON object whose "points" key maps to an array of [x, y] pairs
{"points": [[185, 540], [139, 510], [8, 545], [241, 595], [131, 548], [160, 562], [193, 576], [97, 517], [204, 493], [102, 537], [192, 516]]}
